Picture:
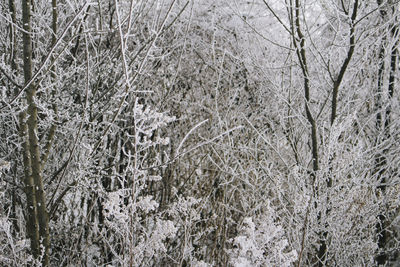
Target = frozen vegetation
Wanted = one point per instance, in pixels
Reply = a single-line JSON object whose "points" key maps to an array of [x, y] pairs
{"points": [[199, 133]]}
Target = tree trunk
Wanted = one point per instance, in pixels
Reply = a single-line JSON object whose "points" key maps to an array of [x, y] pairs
{"points": [[381, 160], [32, 145], [32, 225], [383, 121]]}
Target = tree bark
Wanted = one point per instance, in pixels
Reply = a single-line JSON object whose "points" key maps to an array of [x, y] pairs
{"points": [[32, 225], [11, 6], [32, 147], [381, 160], [345, 64]]}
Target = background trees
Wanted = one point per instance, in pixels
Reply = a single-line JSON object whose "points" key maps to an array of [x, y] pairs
{"points": [[199, 133]]}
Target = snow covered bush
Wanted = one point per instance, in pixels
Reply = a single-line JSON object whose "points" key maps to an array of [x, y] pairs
{"points": [[261, 242]]}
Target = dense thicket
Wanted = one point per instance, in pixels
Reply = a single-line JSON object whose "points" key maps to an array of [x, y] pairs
{"points": [[199, 133]]}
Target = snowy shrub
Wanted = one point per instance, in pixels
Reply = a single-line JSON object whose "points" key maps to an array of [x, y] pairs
{"points": [[261, 243]]}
